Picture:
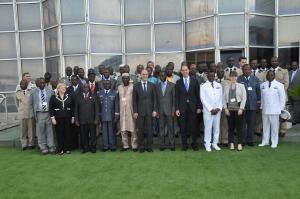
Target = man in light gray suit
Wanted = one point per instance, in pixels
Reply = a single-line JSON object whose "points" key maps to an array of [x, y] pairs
{"points": [[165, 91], [294, 77], [39, 104]]}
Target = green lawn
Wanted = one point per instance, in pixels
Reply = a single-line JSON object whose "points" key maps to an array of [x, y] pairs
{"points": [[252, 173]]}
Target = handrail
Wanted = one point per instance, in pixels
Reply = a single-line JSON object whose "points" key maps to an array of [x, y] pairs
{"points": [[3, 99]]}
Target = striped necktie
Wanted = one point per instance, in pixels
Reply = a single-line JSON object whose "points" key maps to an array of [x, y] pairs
{"points": [[43, 100]]}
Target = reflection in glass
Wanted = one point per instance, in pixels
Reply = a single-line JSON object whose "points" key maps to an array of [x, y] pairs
{"points": [[163, 59], [138, 39], [134, 60], [72, 11], [50, 12], [261, 30], [113, 61], [104, 11], [164, 12], [259, 53], [164, 41], [200, 33], [198, 8], [6, 18], [289, 31], [232, 30], [105, 39], [287, 55], [75, 61], [7, 45], [34, 67], [262, 6], [51, 41], [200, 57], [74, 39], [228, 6], [137, 11], [52, 66], [29, 16], [31, 44]]}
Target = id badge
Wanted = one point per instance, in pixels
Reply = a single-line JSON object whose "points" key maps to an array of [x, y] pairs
{"points": [[232, 100], [249, 88]]}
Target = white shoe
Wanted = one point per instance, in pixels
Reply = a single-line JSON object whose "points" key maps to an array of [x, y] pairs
{"points": [[216, 147], [262, 145], [208, 149], [273, 146]]}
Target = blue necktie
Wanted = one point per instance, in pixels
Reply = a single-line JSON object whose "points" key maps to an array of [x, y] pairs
{"points": [[186, 85]]}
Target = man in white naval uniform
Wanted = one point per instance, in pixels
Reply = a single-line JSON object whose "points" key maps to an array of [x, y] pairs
{"points": [[272, 103], [211, 95]]}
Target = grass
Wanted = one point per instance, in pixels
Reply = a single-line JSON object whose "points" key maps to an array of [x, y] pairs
{"points": [[253, 173]]}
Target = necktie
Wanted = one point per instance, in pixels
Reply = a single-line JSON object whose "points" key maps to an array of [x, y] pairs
{"points": [[92, 88], [106, 92], [69, 78], [269, 84], [254, 71], [145, 88], [186, 84], [163, 88], [212, 84], [43, 100]]}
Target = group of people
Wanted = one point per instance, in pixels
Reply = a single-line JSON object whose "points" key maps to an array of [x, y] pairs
{"points": [[229, 104]]}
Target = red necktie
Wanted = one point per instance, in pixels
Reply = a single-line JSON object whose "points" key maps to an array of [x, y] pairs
{"points": [[92, 88]]}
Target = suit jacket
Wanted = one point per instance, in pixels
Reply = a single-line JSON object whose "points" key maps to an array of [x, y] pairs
{"points": [[282, 76], [112, 81], [211, 97], [166, 100], [86, 110], [35, 100], [22, 101], [253, 91], [234, 68], [186, 99], [70, 90], [133, 80], [144, 103], [241, 95], [61, 108], [96, 86], [294, 82], [107, 105]]}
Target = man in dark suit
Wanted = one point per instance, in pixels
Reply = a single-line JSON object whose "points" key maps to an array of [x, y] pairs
{"points": [[187, 106], [91, 81], [74, 90], [165, 91], [294, 76], [144, 108], [86, 116], [106, 76], [252, 87]]}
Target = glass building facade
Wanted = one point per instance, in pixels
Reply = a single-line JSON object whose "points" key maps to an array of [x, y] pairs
{"points": [[47, 35]]}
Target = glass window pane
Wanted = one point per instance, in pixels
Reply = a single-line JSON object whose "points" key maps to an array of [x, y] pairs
{"points": [[29, 16], [26, 0], [50, 12], [6, 17], [137, 11], [259, 53], [287, 55], [232, 30], [5, 1], [165, 12], [200, 33], [200, 57], [9, 75], [31, 44], [52, 66], [74, 39], [289, 31], [288, 7], [75, 61], [198, 8], [164, 41], [8, 45], [72, 11], [34, 67], [104, 11], [113, 61], [236, 53], [137, 39], [51, 41], [261, 30], [105, 39], [227, 6], [163, 59], [134, 60], [262, 6]]}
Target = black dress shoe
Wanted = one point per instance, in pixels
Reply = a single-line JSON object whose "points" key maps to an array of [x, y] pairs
{"points": [[141, 150], [150, 150], [104, 150], [250, 144], [31, 147], [84, 151], [124, 149], [134, 150], [24, 148], [257, 134], [94, 151], [162, 148], [195, 148], [113, 150], [172, 149], [281, 135], [184, 148]]}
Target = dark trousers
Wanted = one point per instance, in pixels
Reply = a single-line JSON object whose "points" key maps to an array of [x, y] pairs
{"points": [[75, 131], [144, 131], [188, 127], [88, 136], [296, 111], [108, 135], [235, 122], [249, 125], [166, 131], [63, 134]]}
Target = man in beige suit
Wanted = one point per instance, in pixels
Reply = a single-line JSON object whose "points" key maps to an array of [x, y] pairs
{"points": [[230, 67], [25, 116], [224, 123], [282, 76], [127, 122]]}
